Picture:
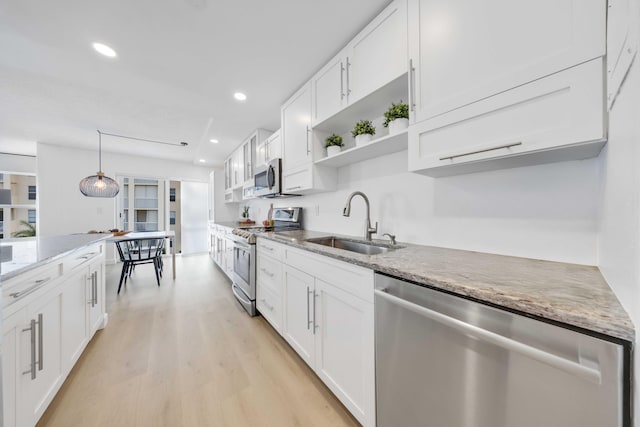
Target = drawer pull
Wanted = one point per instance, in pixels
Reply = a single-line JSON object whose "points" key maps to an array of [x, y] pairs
{"points": [[293, 188], [87, 256], [30, 289], [269, 248], [514, 144], [265, 271]]}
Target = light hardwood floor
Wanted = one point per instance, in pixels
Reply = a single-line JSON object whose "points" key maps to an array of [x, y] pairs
{"points": [[185, 354]]}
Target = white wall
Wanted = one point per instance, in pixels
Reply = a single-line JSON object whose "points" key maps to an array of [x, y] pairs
{"points": [[63, 209], [619, 243], [545, 212], [194, 211]]}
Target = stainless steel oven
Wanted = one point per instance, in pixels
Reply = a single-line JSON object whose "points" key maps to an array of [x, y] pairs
{"points": [[244, 273]]}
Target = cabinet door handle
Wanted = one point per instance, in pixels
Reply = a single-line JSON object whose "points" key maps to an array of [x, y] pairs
{"points": [[94, 300], [341, 80], [315, 325], [40, 323], [309, 321], [514, 144], [348, 83], [265, 271], [264, 301], [308, 150], [32, 340], [412, 85], [30, 289]]}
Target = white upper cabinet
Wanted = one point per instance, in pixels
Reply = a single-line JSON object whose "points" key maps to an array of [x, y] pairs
{"points": [[504, 84], [464, 51], [296, 128], [373, 59], [330, 88], [378, 54]]}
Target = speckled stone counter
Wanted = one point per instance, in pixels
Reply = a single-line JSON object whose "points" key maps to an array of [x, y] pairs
{"points": [[18, 256], [573, 294]]}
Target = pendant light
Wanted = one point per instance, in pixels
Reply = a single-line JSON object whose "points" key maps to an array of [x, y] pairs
{"points": [[99, 185]]}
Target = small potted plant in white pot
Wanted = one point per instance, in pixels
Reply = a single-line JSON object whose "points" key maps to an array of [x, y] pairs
{"points": [[333, 144], [363, 132], [396, 117]]}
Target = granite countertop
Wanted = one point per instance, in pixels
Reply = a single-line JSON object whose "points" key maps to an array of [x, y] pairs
{"points": [[18, 256], [573, 294], [236, 224]]}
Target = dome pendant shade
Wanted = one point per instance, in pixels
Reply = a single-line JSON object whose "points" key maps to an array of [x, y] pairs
{"points": [[99, 186]]}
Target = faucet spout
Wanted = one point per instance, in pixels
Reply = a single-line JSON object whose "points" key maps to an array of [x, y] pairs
{"points": [[347, 212]]}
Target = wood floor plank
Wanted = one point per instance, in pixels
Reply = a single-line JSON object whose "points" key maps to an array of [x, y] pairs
{"points": [[186, 354]]}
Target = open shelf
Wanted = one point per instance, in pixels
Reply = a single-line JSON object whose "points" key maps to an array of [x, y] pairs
{"points": [[378, 147]]}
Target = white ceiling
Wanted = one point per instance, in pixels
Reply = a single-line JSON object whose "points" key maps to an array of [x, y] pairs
{"points": [[179, 63]]}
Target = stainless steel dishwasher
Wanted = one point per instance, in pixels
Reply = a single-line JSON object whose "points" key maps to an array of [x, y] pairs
{"points": [[445, 361]]}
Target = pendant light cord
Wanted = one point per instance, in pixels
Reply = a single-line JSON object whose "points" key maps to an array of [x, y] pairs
{"points": [[180, 144], [99, 150]]}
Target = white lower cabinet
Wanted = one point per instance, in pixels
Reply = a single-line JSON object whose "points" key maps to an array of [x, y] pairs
{"points": [[42, 343], [45, 330], [299, 326], [327, 318]]}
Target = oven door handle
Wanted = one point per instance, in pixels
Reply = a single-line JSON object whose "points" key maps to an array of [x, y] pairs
{"points": [[238, 294], [241, 245]]}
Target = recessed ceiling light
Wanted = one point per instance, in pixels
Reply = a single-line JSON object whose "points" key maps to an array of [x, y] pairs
{"points": [[202, 160], [105, 50], [214, 141], [240, 96]]}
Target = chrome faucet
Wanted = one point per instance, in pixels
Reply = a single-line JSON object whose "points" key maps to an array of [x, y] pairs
{"points": [[368, 231]]}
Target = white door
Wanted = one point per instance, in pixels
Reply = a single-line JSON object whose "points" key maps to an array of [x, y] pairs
{"points": [[329, 89], [296, 129], [466, 50], [297, 327], [74, 306], [37, 393], [194, 214], [13, 363], [344, 350], [378, 55]]}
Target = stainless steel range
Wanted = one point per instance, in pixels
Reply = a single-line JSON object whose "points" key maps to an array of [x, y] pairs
{"points": [[244, 254]]}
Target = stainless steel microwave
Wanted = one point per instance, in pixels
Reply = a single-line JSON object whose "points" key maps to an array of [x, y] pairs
{"points": [[268, 179]]}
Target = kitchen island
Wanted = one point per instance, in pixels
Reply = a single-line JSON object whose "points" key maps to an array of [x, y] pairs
{"points": [[52, 305]]}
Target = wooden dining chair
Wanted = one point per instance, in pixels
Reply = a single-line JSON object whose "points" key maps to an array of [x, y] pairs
{"points": [[133, 252]]}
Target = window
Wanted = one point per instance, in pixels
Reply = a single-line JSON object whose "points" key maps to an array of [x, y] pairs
{"points": [[172, 194], [31, 216], [172, 217], [32, 192]]}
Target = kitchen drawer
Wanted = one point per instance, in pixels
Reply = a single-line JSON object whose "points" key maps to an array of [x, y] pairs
{"points": [[270, 248], [13, 290], [82, 256], [350, 278], [269, 273], [269, 304]]}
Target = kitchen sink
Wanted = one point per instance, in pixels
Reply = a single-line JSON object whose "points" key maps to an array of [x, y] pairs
{"points": [[367, 248]]}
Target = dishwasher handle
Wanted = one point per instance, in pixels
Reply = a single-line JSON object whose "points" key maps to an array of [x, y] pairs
{"points": [[585, 372]]}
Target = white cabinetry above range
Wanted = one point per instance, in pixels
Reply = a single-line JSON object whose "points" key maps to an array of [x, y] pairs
{"points": [[240, 167]]}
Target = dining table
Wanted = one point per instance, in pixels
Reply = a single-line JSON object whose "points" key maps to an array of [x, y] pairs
{"points": [[151, 235]]}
